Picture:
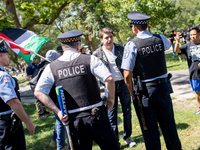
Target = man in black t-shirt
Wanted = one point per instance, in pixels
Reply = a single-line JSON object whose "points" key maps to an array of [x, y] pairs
{"points": [[192, 52], [171, 38]]}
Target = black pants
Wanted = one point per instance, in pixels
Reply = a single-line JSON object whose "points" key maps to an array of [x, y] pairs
{"points": [[158, 109], [10, 140], [87, 129]]}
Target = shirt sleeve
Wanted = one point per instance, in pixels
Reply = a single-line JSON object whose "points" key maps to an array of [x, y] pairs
{"points": [[129, 57], [7, 85], [167, 43], [98, 69], [46, 81]]}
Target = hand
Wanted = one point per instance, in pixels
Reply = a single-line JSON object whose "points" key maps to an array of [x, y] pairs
{"points": [[110, 103], [178, 37], [133, 98], [31, 128], [62, 118]]}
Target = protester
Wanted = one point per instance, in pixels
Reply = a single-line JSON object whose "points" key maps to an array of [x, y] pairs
{"points": [[83, 48], [192, 52], [42, 113], [171, 38], [144, 61], [181, 42], [60, 50], [88, 120], [11, 135], [111, 55]]}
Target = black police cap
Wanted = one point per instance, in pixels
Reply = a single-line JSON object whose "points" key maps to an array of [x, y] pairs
{"points": [[138, 18], [70, 36], [3, 47]]}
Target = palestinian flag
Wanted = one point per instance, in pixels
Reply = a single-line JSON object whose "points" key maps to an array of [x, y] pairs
{"points": [[27, 40]]}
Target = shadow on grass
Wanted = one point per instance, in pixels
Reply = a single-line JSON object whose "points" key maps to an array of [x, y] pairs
{"points": [[182, 125]]}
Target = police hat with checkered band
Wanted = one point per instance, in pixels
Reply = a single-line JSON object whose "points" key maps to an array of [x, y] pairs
{"points": [[70, 36], [3, 47], [138, 18]]}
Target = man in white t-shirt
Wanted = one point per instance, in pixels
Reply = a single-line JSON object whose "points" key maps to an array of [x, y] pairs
{"points": [[111, 55]]}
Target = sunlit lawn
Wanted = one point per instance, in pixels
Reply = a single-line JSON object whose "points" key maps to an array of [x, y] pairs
{"points": [[188, 125]]}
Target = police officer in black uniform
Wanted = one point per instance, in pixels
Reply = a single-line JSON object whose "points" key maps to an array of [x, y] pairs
{"points": [[144, 60], [88, 120], [11, 109]]}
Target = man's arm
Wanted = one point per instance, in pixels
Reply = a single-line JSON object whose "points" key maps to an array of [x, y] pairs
{"points": [[129, 82], [46, 100], [110, 86], [28, 77], [17, 107], [177, 49]]}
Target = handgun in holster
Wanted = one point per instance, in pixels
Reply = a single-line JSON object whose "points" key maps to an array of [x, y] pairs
{"points": [[168, 80], [15, 122]]}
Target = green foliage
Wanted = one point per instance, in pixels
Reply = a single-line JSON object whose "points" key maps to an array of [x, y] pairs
{"points": [[159, 10]]}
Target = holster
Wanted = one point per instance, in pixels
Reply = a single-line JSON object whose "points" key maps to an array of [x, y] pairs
{"points": [[15, 122], [168, 80]]}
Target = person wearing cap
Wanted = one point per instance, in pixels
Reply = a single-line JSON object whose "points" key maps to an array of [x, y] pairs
{"points": [[31, 72], [76, 72], [9, 104], [58, 138], [144, 61], [83, 48], [171, 37], [111, 55], [60, 50]]}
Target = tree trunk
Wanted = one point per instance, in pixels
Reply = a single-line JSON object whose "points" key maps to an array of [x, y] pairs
{"points": [[91, 42], [149, 29], [10, 9], [118, 38]]}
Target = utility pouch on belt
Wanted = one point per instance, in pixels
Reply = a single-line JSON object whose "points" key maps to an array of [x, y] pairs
{"points": [[168, 80], [96, 112], [15, 122]]}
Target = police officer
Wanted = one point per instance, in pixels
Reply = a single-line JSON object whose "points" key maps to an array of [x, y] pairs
{"points": [[12, 136], [144, 57], [76, 73]]}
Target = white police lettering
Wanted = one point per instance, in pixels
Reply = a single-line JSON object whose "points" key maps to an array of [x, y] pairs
{"points": [[72, 71], [63, 101], [151, 49]]}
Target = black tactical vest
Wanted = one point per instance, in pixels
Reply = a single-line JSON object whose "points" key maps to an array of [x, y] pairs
{"points": [[150, 60], [79, 84], [3, 105]]}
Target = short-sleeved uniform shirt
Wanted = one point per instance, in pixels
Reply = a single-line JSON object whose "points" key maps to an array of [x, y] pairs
{"points": [[7, 88], [31, 68], [192, 52], [130, 53], [97, 68]]}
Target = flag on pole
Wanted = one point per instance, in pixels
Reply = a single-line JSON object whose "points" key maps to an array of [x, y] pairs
{"points": [[24, 38]]}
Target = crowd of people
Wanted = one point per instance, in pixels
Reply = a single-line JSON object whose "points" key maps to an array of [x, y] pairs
{"points": [[135, 73]]}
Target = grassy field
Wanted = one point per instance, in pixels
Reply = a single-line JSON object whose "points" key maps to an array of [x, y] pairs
{"points": [[173, 63], [188, 126]]}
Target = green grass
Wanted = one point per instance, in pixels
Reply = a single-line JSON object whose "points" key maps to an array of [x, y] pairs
{"points": [[188, 126], [23, 81], [173, 63]]}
